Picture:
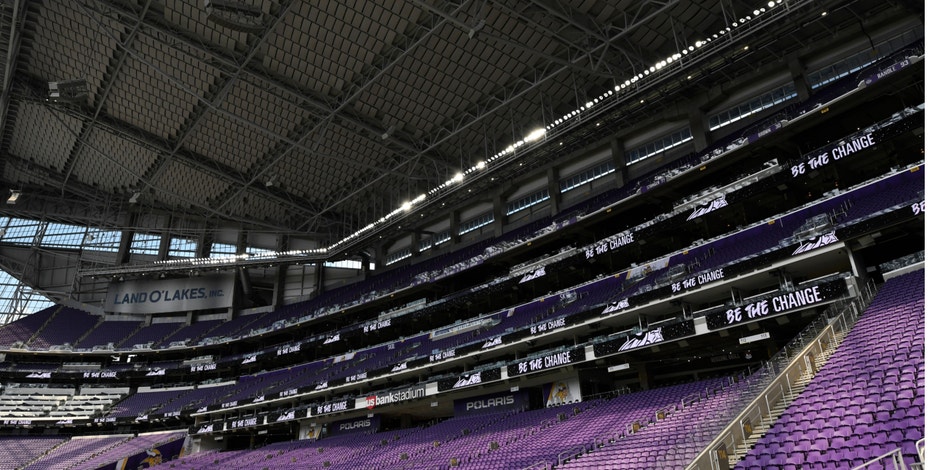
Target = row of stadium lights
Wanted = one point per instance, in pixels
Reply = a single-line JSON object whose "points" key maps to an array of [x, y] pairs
{"points": [[459, 177]]}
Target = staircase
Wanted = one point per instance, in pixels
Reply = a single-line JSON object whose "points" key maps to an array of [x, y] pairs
{"points": [[772, 389], [777, 408]]}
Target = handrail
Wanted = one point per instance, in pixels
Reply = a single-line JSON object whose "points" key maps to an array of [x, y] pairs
{"points": [[567, 453], [897, 458], [608, 438], [538, 466], [774, 375], [921, 450]]}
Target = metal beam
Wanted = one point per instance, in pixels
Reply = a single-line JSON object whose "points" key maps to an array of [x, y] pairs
{"points": [[87, 127], [88, 205], [209, 105], [353, 92], [320, 104], [10, 63], [512, 91], [564, 12], [477, 33]]}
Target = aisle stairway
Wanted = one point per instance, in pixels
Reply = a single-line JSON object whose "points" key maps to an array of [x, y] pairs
{"points": [[777, 409]]}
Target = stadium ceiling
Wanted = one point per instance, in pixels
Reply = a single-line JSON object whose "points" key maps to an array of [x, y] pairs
{"points": [[316, 119]]}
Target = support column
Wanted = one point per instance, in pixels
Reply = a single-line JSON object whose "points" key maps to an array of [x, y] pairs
{"points": [[621, 164], [241, 242], [644, 378], [798, 72], [165, 243], [415, 242], [126, 240], [498, 213], [379, 256], [204, 244], [553, 190], [366, 260], [698, 127], [278, 284], [454, 227], [319, 267]]}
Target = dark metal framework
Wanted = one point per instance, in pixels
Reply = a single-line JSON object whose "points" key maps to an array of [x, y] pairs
{"points": [[319, 118]]}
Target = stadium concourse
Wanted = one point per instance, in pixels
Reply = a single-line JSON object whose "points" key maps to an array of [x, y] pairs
{"points": [[473, 234]]}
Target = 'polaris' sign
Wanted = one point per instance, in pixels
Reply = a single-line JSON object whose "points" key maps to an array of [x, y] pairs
{"points": [[496, 403], [490, 403], [354, 425]]}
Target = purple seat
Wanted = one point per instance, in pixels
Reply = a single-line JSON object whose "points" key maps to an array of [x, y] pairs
{"points": [[820, 444], [863, 401]]}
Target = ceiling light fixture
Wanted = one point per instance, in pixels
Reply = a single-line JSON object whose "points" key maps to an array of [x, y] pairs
{"points": [[540, 133], [388, 132], [536, 134]]}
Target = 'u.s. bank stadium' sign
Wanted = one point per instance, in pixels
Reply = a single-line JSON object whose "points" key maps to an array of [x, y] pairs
{"points": [[170, 295]]}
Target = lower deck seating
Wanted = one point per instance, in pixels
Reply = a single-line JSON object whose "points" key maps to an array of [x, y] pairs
{"points": [[18, 451], [522, 438], [867, 400]]}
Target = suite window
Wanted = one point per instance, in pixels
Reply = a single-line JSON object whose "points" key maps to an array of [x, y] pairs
{"points": [[588, 175], [526, 201], [660, 145], [752, 106], [476, 222], [397, 256]]}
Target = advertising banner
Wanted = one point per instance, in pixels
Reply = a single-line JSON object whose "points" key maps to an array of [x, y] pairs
{"points": [[546, 326], [887, 71], [246, 422], [309, 430], [816, 242], [283, 416], [778, 304], [207, 428], [699, 280], [832, 153], [469, 379], [395, 396], [170, 295], [550, 361], [331, 407], [494, 403], [645, 269], [610, 244], [651, 337], [354, 425], [534, 274]]}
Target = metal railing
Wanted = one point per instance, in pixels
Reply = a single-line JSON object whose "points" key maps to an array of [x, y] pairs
{"points": [[566, 454], [772, 384], [894, 458], [921, 450], [542, 465]]}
